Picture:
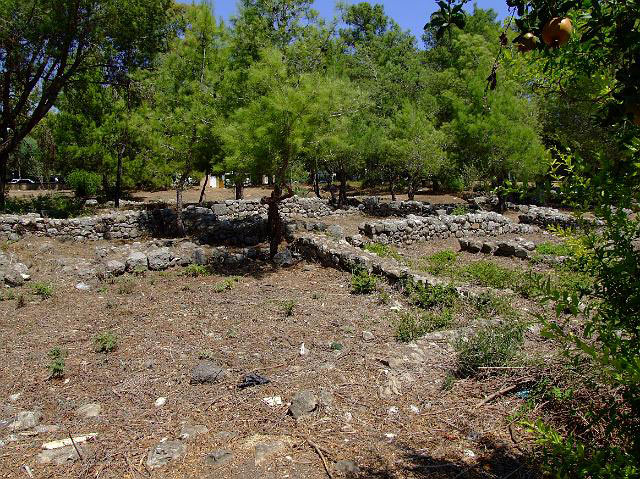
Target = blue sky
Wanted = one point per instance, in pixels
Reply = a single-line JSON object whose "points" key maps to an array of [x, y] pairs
{"points": [[410, 14]]}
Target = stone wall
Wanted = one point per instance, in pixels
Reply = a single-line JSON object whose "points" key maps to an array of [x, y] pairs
{"points": [[232, 222], [377, 206], [421, 228], [544, 216]]}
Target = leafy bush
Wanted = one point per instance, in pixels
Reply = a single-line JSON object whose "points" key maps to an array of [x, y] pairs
{"points": [[105, 342], [413, 324], [490, 346], [430, 296], [84, 183], [44, 290], [609, 340], [363, 282], [56, 366]]}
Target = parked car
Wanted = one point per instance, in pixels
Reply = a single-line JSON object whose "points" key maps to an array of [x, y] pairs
{"points": [[16, 181]]}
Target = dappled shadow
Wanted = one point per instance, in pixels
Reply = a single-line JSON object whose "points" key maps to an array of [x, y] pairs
{"points": [[499, 461]]}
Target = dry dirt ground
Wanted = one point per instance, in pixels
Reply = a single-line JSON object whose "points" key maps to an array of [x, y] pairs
{"points": [[387, 408], [192, 195]]}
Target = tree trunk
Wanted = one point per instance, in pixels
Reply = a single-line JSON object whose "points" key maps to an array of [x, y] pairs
{"points": [[4, 159], [392, 189], [342, 193], [179, 222], [116, 200], [204, 187], [316, 184], [411, 193], [274, 221], [239, 189]]}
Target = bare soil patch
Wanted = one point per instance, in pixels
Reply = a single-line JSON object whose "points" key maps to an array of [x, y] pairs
{"points": [[385, 409]]}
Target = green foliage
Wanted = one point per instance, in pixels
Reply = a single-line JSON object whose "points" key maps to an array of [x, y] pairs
{"points": [[487, 273], [44, 290], [7, 295], [335, 346], [556, 249], [440, 262], [383, 250], [226, 284], [363, 282], [415, 323], [105, 342], [195, 270], [426, 296], [489, 346], [56, 365], [52, 206], [84, 183], [609, 340], [490, 305], [460, 210], [288, 307]]}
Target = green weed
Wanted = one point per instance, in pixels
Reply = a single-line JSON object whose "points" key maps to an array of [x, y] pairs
{"points": [[439, 263], [287, 307], [413, 324], [226, 284], [44, 290], [427, 297], [195, 270], [363, 282], [383, 250], [490, 346], [126, 285], [56, 366], [105, 342]]}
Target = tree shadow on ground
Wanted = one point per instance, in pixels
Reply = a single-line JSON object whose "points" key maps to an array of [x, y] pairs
{"points": [[499, 461]]}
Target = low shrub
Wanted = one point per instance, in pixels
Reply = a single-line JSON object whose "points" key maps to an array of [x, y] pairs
{"points": [[363, 282], [440, 262], [225, 284], [287, 307], [460, 210], [126, 286], [44, 290], [489, 346], [413, 324], [195, 270], [56, 365], [490, 305], [427, 297], [105, 342], [84, 183]]}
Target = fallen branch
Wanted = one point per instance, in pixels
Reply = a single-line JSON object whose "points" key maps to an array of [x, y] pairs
{"points": [[319, 452], [503, 391], [75, 446]]}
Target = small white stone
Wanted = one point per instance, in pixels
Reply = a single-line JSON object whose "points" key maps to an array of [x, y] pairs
{"points": [[161, 401], [303, 350], [15, 397], [469, 453], [414, 409], [392, 410]]}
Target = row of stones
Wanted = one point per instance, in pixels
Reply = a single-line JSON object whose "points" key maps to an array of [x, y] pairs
{"points": [[307, 207], [238, 222], [544, 216], [520, 248], [420, 228], [376, 206]]}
